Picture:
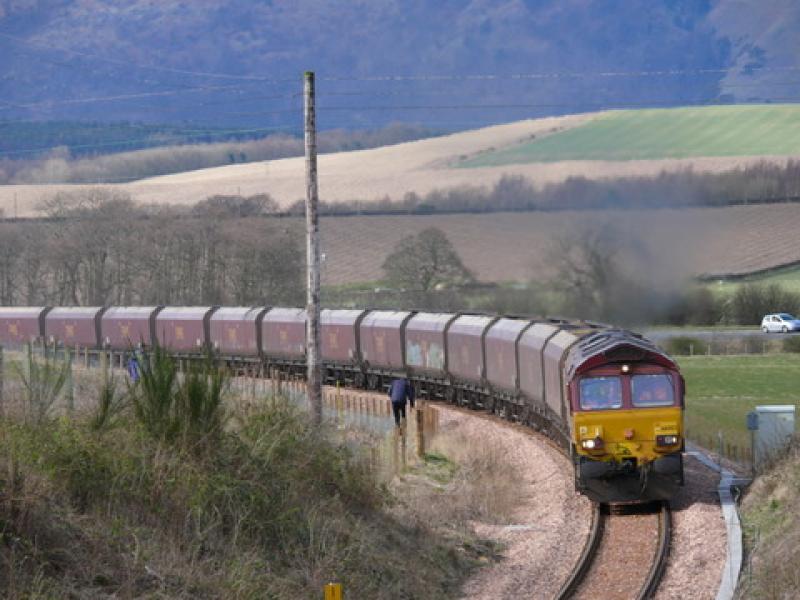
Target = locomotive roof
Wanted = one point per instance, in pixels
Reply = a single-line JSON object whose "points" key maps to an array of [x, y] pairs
{"points": [[612, 346]]}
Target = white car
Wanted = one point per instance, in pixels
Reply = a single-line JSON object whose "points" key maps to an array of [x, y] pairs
{"points": [[783, 322]]}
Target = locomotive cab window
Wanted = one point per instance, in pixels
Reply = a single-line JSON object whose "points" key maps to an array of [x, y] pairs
{"points": [[601, 393], [652, 390]]}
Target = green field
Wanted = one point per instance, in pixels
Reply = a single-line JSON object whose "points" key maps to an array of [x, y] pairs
{"points": [[736, 130], [788, 278], [721, 390]]}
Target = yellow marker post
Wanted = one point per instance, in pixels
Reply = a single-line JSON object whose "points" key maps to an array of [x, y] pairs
{"points": [[333, 591]]}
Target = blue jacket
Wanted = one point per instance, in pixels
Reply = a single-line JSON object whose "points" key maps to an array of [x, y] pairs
{"points": [[400, 391]]}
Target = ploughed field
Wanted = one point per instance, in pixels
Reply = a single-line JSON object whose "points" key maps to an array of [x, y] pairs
{"points": [[518, 246]]}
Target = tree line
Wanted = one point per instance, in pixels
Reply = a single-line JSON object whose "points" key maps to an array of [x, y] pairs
{"points": [[98, 247], [61, 164], [761, 183]]}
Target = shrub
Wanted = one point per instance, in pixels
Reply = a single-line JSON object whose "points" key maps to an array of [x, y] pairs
{"points": [[42, 381], [110, 404], [199, 409], [171, 408], [791, 344], [153, 396], [684, 346], [752, 301]]}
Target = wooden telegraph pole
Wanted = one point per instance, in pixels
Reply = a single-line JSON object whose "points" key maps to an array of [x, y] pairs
{"points": [[312, 255]]}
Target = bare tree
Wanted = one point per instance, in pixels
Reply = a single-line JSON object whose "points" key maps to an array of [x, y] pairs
{"points": [[424, 261]]}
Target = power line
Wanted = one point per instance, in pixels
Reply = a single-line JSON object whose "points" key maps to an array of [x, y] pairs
{"points": [[129, 64], [117, 97], [402, 77], [557, 105], [556, 75]]}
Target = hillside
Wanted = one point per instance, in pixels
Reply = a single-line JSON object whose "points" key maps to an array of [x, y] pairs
{"points": [[743, 130], [239, 62], [432, 164]]}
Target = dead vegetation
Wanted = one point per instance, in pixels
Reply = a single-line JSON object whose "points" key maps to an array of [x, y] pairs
{"points": [[263, 505], [772, 533], [460, 482]]}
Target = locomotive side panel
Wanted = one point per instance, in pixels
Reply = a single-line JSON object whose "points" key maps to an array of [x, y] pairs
{"points": [[501, 353], [124, 326], [339, 333], [425, 342], [21, 324], [74, 326], [382, 340], [283, 333], [234, 330], [465, 347], [183, 328]]}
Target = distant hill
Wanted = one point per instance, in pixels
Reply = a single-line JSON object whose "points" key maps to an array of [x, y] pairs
{"points": [[238, 62], [750, 130], [424, 166]]}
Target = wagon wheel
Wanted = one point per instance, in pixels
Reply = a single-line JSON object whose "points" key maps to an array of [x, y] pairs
{"points": [[359, 380], [449, 395]]}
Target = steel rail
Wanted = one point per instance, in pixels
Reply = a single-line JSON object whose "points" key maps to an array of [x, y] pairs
{"points": [[587, 556], [661, 555]]}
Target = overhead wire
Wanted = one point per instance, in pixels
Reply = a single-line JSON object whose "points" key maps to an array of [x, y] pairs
{"points": [[129, 64]]}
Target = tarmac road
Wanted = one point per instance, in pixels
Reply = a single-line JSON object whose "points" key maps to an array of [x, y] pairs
{"points": [[658, 335]]}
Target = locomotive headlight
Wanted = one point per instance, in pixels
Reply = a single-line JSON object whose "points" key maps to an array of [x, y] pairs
{"points": [[626, 368], [666, 440], [593, 444]]}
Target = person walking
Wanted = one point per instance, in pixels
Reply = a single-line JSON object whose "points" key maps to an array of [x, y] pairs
{"points": [[401, 391]]}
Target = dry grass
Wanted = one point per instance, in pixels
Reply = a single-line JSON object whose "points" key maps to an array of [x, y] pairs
{"points": [[772, 532], [460, 482]]}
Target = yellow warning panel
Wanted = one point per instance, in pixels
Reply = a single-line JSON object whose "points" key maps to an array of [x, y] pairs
{"points": [[333, 591]]}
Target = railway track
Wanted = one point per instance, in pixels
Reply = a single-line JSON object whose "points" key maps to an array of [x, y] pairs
{"points": [[625, 554]]}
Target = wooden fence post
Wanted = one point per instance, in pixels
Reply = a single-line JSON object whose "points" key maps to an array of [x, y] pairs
{"points": [[420, 414], [70, 391], [2, 381], [104, 364]]}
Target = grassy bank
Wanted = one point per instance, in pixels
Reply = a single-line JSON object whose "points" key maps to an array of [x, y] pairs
{"points": [[164, 491], [721, 390], [772, 532]]}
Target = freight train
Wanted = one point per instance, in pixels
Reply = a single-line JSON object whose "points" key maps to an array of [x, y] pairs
{"points": [[611, 399]]}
